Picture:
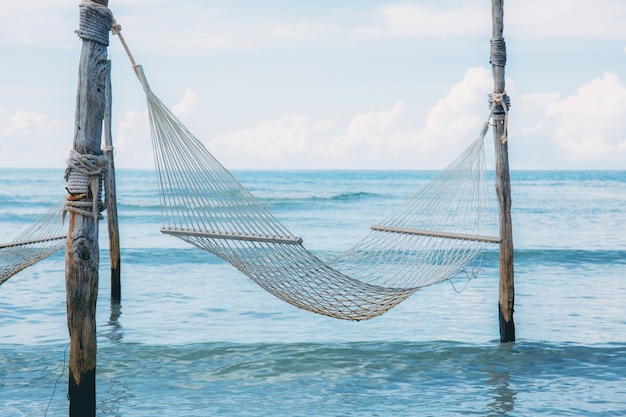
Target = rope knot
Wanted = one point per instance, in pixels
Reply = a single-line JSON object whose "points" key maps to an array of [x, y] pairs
{"points": [[84, 181], [116, 28], [499, 103]]}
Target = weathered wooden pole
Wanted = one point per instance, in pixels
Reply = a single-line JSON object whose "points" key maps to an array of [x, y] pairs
{"points": [[85, 166], [500, 101], [111, 197]]}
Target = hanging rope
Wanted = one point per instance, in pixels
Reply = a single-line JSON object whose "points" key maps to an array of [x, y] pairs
{"points": [[116, 29]]}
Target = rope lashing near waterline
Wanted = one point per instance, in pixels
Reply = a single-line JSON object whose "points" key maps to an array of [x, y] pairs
{"points": [[84, 176]]}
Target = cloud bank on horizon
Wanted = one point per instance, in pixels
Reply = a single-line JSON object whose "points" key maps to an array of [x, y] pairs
{"points": [[375, 85]]}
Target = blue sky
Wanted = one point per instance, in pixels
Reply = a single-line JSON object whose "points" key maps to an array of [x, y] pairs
{"points": [[327, 84]]}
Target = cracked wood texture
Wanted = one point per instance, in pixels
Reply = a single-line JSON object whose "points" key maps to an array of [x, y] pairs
{"points": [[503, 190], [82, 252]]}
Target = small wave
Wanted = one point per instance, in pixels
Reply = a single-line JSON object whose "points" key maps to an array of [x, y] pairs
{"points": [[299, 198], [168, 256], [359, 195], [139, 207], [571, 256], [439, 359], [332, 379]]}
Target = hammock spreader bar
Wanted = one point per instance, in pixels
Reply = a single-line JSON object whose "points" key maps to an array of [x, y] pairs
{"points": [[30, 242], [290, 240], [445, 235]]}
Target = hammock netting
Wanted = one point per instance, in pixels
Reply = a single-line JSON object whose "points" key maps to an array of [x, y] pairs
{"points": [[436, 235], [40, 240]]}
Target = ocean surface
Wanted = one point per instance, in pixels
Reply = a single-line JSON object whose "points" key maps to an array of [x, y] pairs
{"points": [[194, 337]]}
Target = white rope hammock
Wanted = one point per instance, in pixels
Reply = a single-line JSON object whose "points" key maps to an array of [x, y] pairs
{"points": [[43, 238], [436, 235]]}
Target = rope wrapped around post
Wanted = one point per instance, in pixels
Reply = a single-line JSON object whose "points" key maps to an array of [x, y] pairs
{"points": [[84, 172], [499, 102], [84, 179], [95, 22], [498, 52]]}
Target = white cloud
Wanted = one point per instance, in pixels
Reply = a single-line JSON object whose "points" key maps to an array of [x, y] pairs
{"points": [[533, 101], [303, 30], [582, 130], [591, 124], [187, 105], [375, 139], [369, 133], [289, 141], [30, 23], [33, 139], [428, 20], [531, 111], [23, 123], [460, 113], [585, 130], [195, 26], [579, 19], [133, 146], [132, 141], [375, 122]]}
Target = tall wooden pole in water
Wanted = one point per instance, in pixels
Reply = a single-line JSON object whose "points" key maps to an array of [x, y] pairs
{"points": [[111, 198], [83, 175], [503, 181]]}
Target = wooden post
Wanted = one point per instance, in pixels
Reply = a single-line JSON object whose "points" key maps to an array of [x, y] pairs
{"points": [[503, 182], [85, 166], [111, 197]]}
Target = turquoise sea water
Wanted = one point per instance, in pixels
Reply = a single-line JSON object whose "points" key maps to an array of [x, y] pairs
{"points": [[194, 337]]}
